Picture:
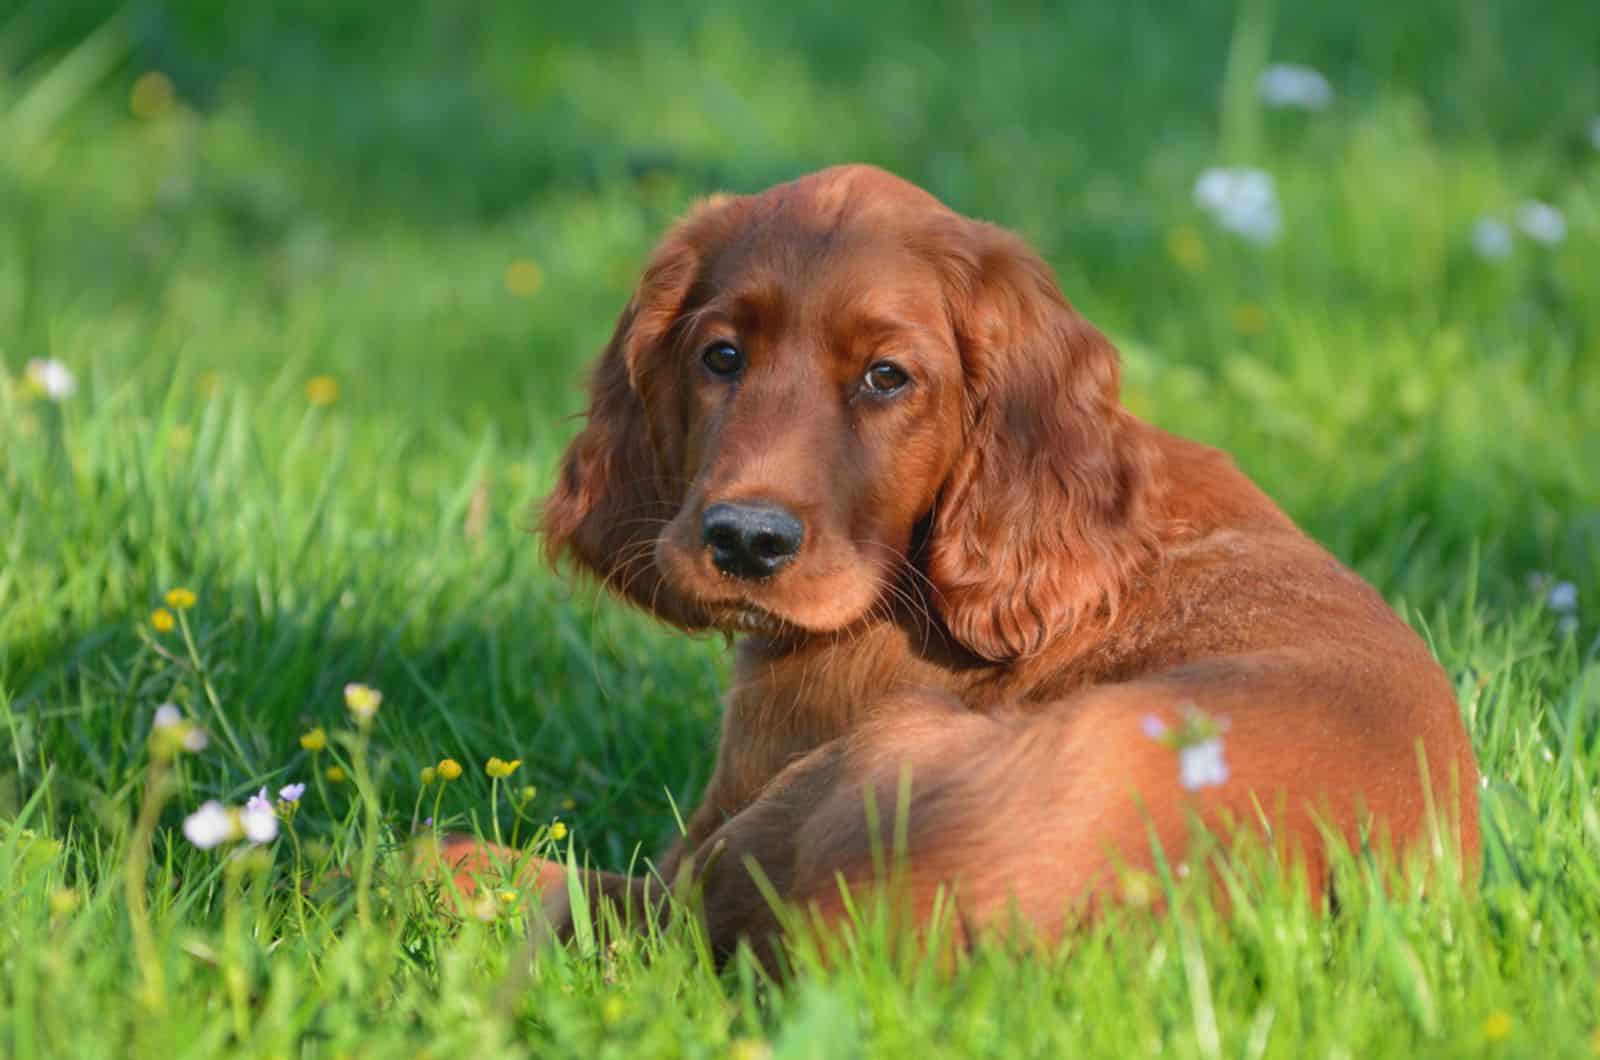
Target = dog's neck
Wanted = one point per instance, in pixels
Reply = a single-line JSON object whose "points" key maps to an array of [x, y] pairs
{"points": [[813, 688]]}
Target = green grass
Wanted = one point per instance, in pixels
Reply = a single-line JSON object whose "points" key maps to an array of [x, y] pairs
{"points": [[338, 190]]}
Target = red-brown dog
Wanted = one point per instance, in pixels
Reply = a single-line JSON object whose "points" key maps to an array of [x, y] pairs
{"points": [[872, 437]]}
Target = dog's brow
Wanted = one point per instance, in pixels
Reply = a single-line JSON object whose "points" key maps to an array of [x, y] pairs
{"points": [[748, 309]]}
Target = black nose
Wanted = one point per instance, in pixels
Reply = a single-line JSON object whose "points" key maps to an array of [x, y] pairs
{"points": [[750, 540]]}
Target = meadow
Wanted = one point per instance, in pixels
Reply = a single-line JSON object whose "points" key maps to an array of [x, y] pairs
{"points": [[295, 304]]}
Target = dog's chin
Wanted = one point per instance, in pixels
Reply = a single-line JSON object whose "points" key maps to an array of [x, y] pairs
{"points": [[793, 605], [748, 613]]}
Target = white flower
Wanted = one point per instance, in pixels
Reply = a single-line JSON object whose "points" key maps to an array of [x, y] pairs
{"points": [[1491, 238], [1201, 766], [259, 823], [1563, 598], [1242, 200], [210, 826], [1542, 222], [214, 824], [170, 720], [52, 377], [1198, 740], [1292, 85], [291, 792], [259, 801]]}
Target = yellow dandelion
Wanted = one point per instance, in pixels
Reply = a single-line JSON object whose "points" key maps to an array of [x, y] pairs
{"points": [[499, 768], [1497, 1025], [749, 1049], [336, 775], [64, 901], [429, 775], [1187, 249], [523, 278], [322, 390], [162, 621], [363, 701], [449, 769], [1139, 889], [180, 599], [314, 740], [508, 897], [558, 830], [1249, 319], [152, 95]]}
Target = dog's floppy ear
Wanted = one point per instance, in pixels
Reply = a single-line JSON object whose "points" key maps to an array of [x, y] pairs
{"points": [[621, 480], [1045, 515]]}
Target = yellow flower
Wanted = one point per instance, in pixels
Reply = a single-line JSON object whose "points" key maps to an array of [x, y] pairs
{"points": [[523, 278], [429, 775], [362, 700], [162, 620], [64, 901], [508, 897], [1497, 1025], [315, 740], [152, 95], [749, 1049], [322, 390], [449, 769], [528, 793], [336, 775], [569, 804], [180, 599], [499, 768], [558, 830], [1187, 249], [1250, 319]]}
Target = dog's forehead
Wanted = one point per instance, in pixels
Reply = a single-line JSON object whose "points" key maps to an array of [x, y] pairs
{"points": [[843, 287]]}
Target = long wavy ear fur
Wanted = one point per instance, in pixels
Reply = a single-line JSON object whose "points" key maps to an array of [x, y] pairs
{"points": [[620, 480], [1046, 514]]}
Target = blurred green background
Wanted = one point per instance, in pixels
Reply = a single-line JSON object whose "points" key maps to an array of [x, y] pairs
{"points": [[328, 276]]}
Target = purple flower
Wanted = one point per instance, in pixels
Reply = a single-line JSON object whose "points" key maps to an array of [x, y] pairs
{"points": [[259, 801], [291, 792]]}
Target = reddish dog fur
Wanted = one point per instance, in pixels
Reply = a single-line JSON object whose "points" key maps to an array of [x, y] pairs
{"points": [[1003, 575]]}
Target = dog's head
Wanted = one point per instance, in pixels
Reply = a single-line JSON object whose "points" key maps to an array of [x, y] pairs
{"points": [[820, 387]]}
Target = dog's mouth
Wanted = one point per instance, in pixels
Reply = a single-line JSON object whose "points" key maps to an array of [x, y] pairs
{"points": [[743, 617], [810, 597]]}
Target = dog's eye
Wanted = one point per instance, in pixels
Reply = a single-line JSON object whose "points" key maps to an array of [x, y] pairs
{"points": [[723, 359], [885, 378]]}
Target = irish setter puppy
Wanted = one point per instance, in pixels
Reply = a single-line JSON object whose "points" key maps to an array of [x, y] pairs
{"points": [[870, 437]]}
